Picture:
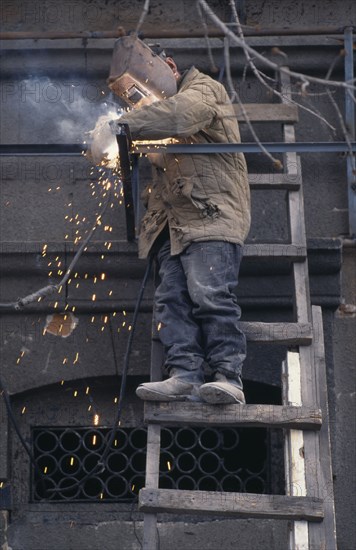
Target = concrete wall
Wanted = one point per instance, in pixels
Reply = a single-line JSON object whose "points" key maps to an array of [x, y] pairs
{"points": [[52, 92]]}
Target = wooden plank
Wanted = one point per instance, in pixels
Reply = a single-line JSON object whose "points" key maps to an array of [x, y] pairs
{"points": [[299, 534], [203, 414], [150, 530], [150, 533], [325, 468], [272, 250], [294, 449], [246, 505], [274, 181], [274, 333], [278, 333], [267, 112]]}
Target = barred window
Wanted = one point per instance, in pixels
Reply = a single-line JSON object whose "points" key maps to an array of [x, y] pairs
{"points": [[207, 459]]}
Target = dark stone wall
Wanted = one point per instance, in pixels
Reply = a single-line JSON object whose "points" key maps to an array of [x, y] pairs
{"points": [[52, 92]]}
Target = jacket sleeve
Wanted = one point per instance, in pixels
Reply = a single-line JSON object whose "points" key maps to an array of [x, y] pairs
{"points": [[182, 115]]}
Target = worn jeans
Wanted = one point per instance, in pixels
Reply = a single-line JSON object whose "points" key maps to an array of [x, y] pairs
{"points": [[196, 311]]}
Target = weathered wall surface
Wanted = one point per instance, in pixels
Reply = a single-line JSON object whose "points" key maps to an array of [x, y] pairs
{"points": [[52, 92]]}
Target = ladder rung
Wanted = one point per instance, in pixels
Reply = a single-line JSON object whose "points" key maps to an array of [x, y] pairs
{"points": [[248, 416], [291, 182], [274, 333], [279, 333], [292, 252], [231, 504], [267, 112]]}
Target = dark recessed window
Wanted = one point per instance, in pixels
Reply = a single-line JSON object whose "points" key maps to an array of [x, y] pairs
{"points": [[206, 459]]}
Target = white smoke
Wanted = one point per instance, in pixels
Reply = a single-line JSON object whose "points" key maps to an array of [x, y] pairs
{"points": [[64, 112]]}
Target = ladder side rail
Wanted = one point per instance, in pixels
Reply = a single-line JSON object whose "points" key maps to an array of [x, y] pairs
{"points": [[325, 464], [309, 383], [150, 528], [298, 538], [296, 214], [293, 449]]}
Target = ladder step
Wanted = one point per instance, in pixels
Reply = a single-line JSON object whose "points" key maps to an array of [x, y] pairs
{"points": [[267, 112], [231, 504], [292, 182], [292, 252], [279, 333], [249, 416], [274, 333]]}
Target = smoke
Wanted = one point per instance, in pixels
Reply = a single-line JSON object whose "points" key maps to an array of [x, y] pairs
{"points": [[63, 112]]}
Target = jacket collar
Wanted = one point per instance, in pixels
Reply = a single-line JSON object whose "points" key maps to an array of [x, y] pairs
{"points": [[187, 77]]}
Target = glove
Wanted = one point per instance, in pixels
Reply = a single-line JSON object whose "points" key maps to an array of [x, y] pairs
{"points": [[104, 150]]}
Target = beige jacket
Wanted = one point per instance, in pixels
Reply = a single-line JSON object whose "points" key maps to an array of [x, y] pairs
{"points": [[202, 196]]}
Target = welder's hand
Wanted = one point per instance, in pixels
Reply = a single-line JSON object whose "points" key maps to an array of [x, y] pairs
{"points": [[103, 145]]}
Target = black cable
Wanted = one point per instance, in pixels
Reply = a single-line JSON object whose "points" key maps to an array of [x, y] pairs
{"points": [[125, 369], [13, 420], [100, 465], [50, 289]]}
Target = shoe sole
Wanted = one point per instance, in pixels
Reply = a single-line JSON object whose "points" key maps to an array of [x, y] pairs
{"points": [[151, 395], [216, 396]]}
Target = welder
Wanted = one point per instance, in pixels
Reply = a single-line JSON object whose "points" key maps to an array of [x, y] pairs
{"points": [[196, 222]]}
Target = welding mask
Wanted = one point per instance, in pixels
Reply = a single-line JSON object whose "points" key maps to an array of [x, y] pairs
{"points": [[138, 75]]}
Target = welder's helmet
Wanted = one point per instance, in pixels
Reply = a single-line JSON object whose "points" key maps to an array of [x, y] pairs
{"points": [[138, 74]]}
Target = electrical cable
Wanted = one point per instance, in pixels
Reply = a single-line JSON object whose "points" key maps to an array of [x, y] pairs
{"points": [[101, 461], [13, 420], [50, 289], [100, 465], [43, 292]]}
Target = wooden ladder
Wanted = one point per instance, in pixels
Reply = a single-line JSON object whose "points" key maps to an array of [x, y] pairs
{"points": [[308, 502]]}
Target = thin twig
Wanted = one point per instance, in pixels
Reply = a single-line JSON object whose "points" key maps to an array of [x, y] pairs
{"points": [[143, 15], [213, 67], [47, 290], [262, 77], [337, 110], [240, 42], [235, 95]]}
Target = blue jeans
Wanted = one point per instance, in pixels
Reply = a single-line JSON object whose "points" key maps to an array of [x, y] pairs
{"points": [[196, 310]]}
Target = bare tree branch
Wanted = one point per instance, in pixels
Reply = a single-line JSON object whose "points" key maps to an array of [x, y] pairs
{"points": [[213, 67], [240, 42], [262, 77], [47, 290], [143, 15], [336, 107], [234, 95]]}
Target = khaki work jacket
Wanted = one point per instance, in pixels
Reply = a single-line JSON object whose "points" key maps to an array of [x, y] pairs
{"points": [[202, 196]]}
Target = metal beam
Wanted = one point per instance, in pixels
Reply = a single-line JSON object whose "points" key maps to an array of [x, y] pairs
{"points": [[301, 147], [213, 32], [206, 148], [350, 125]]}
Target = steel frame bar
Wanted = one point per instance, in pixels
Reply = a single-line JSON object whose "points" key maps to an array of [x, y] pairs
{"points": [[350, 125], [177, 33], [75, 150]]}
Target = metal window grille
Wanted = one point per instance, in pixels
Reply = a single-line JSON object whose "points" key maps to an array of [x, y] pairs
{"points": [[208, 459]]}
